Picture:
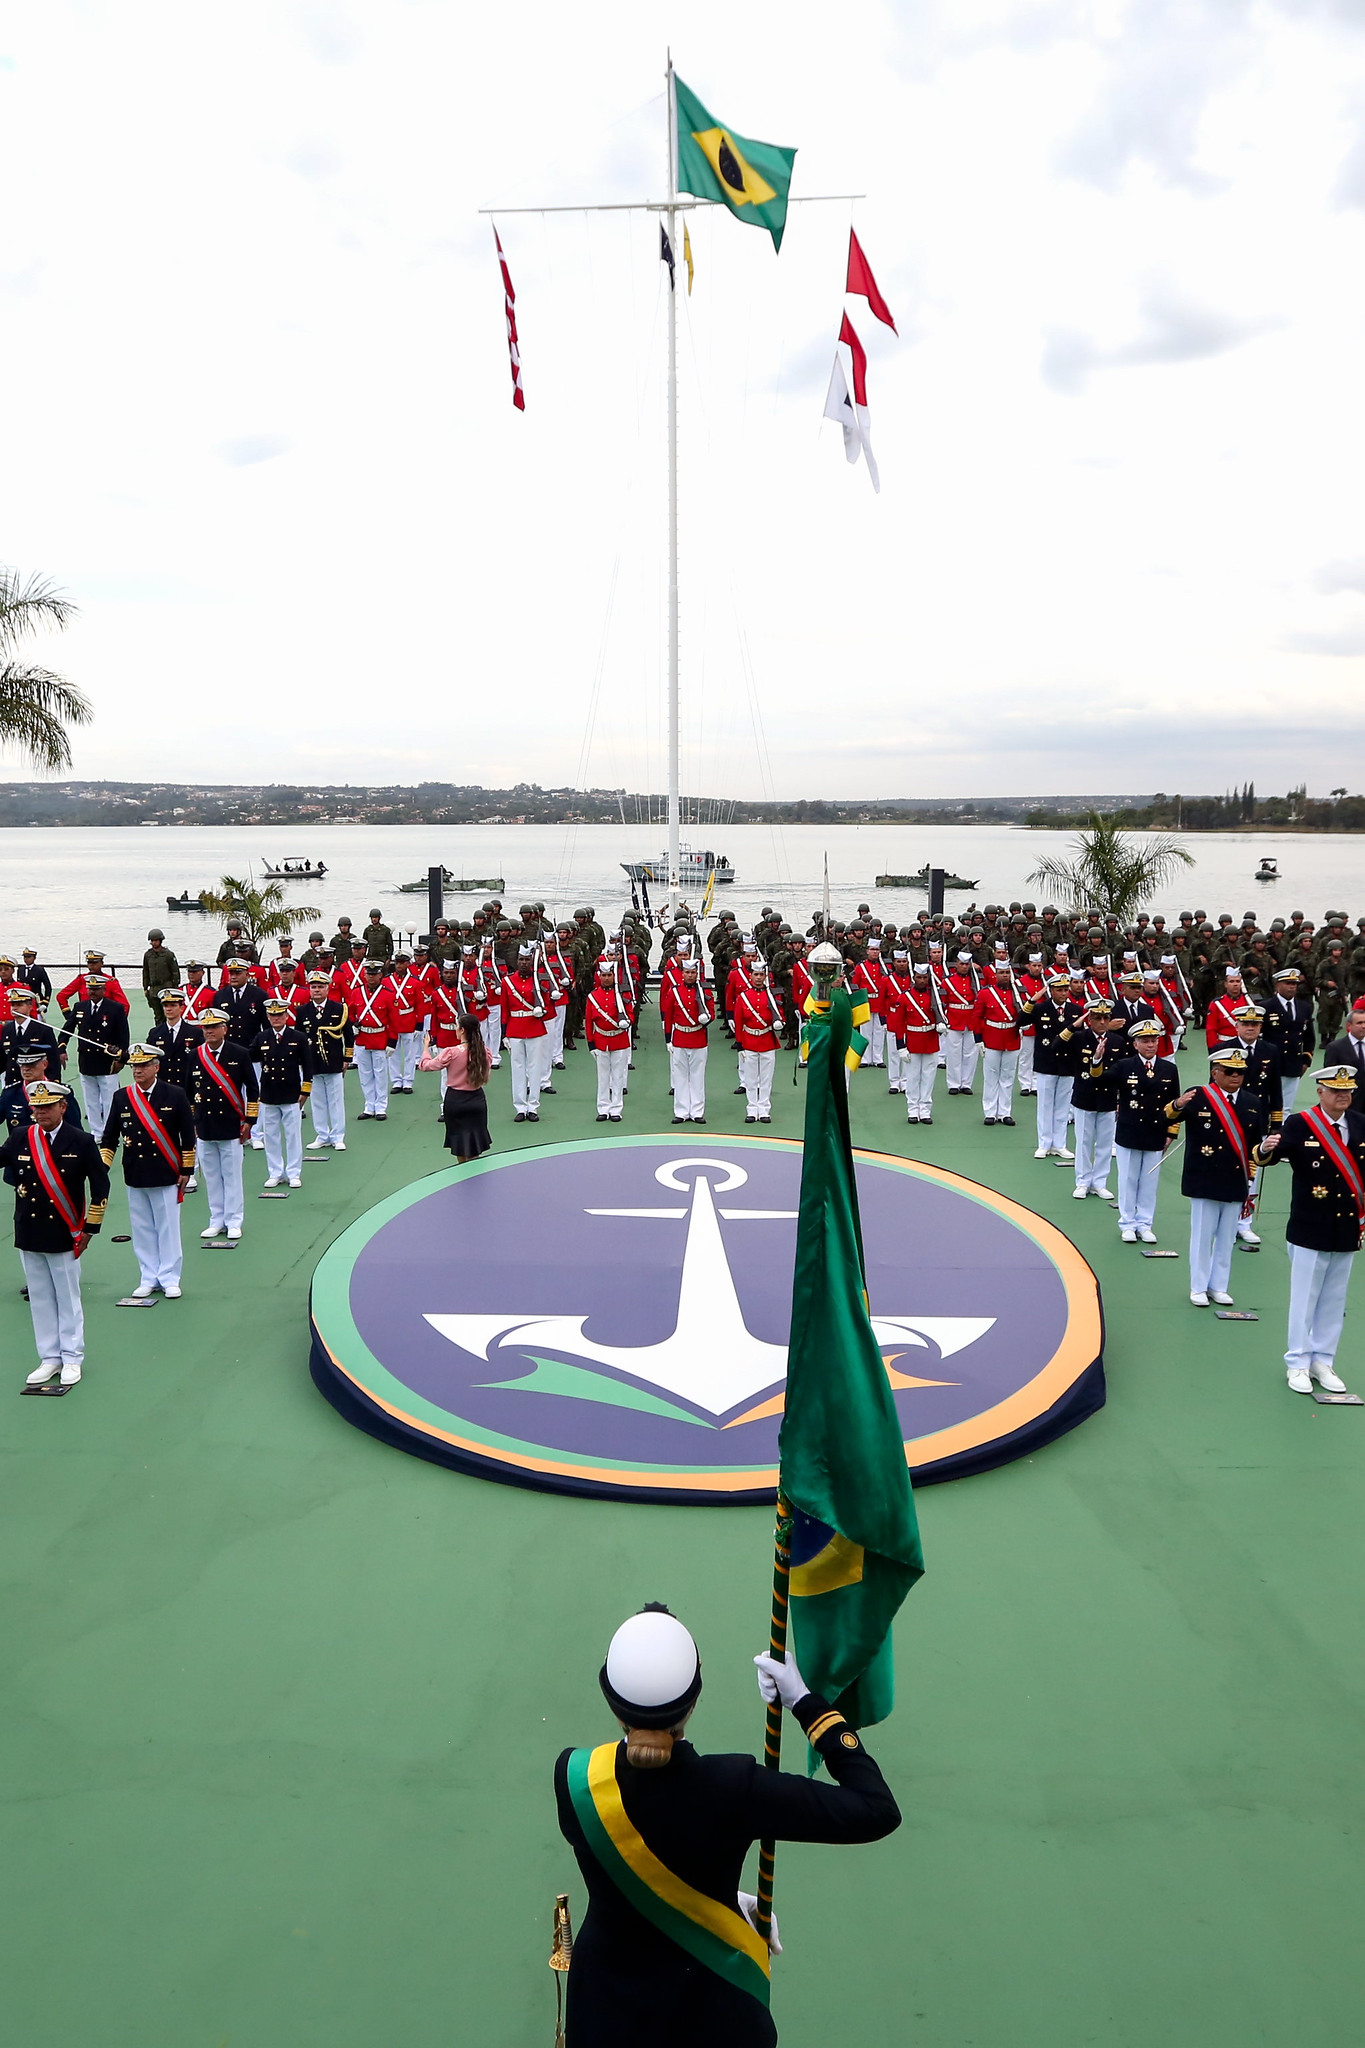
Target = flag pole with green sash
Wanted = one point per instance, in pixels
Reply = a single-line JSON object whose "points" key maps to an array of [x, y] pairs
{"points": [[847, 1547]]}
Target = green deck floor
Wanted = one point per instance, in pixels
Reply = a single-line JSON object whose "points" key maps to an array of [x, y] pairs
{"points": [[280, 1705]]}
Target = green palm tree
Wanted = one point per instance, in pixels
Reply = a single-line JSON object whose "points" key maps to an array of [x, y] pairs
{"points": [[263, 912], [36, 706], [1113, 872]]}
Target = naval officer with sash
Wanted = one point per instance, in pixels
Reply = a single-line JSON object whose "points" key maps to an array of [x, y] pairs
{"points": [[153, 1122], [1224, 1125], [54, 1166], [668, 1954], [223, 1093], [1325, 1147]]}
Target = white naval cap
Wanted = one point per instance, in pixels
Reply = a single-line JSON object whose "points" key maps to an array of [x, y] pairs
{"points": [[652, 1674]]}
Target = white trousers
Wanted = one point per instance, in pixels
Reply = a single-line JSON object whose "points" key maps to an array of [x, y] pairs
{"points": [[491, 1027], [257, 1141], [876, 1041], [919, 1071], [528, 1072], [1095, 1147], [554, 1034], [756, 1071], [328, 1101], [997, 1082], [611, 1079], [1290, 1088], [1054, 1107], [373, 1069], [220, 1162], [97, 1093], [1317, 1305], [1138, 1184], [53, 1280], [1026, 1075], [281, 1125], [962, 1051], [687, 1072], [1213, 1233], [403, 1059], [154, 1218], [895, 1064]]}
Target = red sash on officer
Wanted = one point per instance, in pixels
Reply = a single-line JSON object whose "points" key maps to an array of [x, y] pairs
{"points": [[223, 1079], [155, 1129], [54, 1186], [1318, 1120], [1222, 1109]]}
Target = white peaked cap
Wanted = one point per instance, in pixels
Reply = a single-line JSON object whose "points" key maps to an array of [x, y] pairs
{"points": [[651, 1660]]}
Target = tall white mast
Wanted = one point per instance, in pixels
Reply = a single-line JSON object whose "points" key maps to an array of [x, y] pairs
{"points": [[674, 737]]}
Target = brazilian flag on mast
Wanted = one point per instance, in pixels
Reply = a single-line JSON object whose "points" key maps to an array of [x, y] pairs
{"points": [[855, 1549], [751, 178]]}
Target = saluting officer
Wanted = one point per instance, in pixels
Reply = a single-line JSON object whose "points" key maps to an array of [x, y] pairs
{"points": [[61, 1187], [1225, 1124], [1095, 1097], [22, 1033], [1288, 1028], [1147, 1087], [223, 1093], [1325, 1147], [1055, 1063], [100, 1028], [655, 1824], [286, 1078], [153, 1122], [331, 1037], [15, 1112]]}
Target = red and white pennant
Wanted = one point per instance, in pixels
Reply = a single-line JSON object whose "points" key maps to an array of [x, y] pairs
{"points": [[513, 348], [850, 409]]}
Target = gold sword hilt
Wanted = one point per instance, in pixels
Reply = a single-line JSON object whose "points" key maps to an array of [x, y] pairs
{"points": [[561, 1951]]}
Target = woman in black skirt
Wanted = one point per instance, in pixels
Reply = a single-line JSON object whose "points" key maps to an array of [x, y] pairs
{"points": [[464, 1105]]}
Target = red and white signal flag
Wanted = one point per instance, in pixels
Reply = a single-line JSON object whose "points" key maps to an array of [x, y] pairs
{"points": [[863, 285], [513, 348], [851, 411]]}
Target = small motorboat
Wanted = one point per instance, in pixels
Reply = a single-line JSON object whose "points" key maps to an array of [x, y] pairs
{"points": [[921, 881], [449, 881], [1268, 871], [295, 871], [185, 902]]}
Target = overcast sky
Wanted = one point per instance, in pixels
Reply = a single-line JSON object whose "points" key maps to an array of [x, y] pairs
{"points": [[258, 418]]}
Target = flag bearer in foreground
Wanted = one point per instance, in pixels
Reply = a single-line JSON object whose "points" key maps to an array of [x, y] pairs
{"points": [[53, 1164], [669, 1958], [1325, 1147], [153, 1123]]}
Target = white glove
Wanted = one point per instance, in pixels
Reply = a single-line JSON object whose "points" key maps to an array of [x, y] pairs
{"points": [[748, 1906], [780, 1681]]}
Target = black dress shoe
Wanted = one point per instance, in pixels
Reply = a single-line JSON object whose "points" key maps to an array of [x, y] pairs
{"points": [[988, 1120], [602, 1116], [765, 1119], [739, 1091], [1008, 1120], [520, 1117], [533, 1116]]}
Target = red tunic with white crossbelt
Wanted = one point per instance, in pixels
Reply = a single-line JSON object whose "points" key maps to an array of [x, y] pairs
{"points": [[803, 984], [607, 1017], [957, 993], [758, 1019], [523, 1007], [870, 977], [446, 1005], [408, 997], [736, 982], [1031, 987], [686, 1014], [915, 1024], [373, 1018], [996, 1018]]}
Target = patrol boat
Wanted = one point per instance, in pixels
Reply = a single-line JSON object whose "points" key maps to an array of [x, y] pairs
{"points": [[692, 867]]}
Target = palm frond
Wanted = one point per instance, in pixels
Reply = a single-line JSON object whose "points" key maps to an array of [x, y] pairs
{"points": [[35, 709], [1112, 871], [263, 912], [29, 603]]}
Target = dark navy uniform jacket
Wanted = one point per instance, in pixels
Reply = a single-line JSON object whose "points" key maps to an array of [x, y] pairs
{"points": [[214, 1115], [1287, 1028], [286, 1062], [331, 1035], [1097, 1085], [630, 1985], [144, 1163], [177, 1054], [244, 1009], [1144, 1096], [1322, 1209], [17, 1116], [34, 1033], [37, 1225], [1263, 1077], [104, 1022], [1211, 1172], [1052, 1054]]}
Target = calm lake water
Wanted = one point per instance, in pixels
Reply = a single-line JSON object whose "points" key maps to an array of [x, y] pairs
{"points": [[69, 888]]}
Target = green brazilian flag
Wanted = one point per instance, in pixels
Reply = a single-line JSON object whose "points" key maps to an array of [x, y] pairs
{"points": [[855, 1540], [751, 178]]}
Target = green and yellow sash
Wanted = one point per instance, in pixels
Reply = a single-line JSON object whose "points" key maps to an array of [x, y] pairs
{"points": [[716, 1935]]}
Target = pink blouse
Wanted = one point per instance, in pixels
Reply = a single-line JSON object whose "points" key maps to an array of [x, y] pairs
{"points": [[453, 1058]]}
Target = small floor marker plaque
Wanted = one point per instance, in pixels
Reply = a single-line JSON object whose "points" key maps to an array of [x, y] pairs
{"points": [[1152, 1252], [56, 1387], [1237, 1315], [273, 1195], [220, 1244], [137, 1301], [1319, 1394]]}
